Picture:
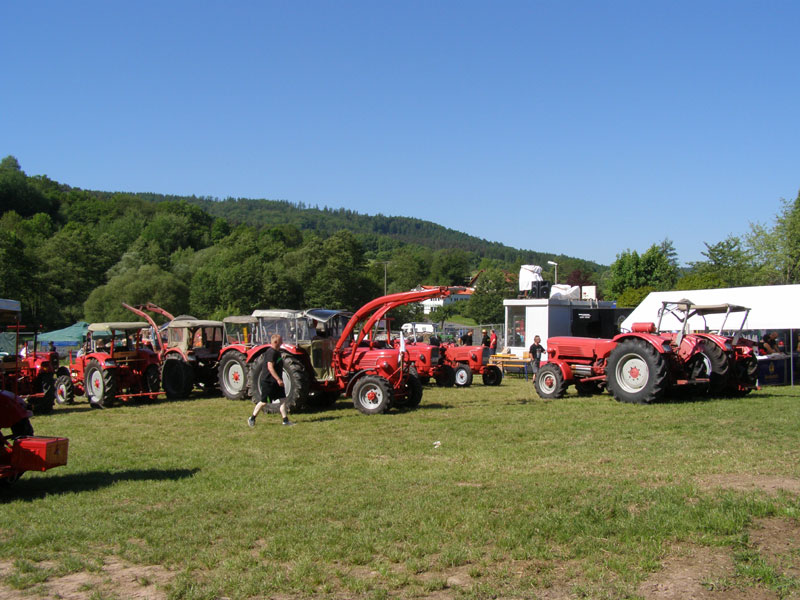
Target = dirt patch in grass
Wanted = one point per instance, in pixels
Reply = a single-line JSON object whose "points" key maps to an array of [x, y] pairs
{"points": [[777, 541], [770, 484], [115, 579]]}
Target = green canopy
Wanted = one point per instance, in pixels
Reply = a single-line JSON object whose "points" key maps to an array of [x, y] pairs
{"points": [[73, 335], [7, 341]]}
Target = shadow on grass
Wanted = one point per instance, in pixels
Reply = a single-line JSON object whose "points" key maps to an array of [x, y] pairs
{"points": [[34, 488]]}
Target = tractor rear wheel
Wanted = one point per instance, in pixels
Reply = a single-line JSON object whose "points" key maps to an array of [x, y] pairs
{"points": [[637, 372], [492, 375], [446, 376], [549, 382], [65, 391], [372, 394], [176, 378], [296, 383], [720, 368], [45, 385], [100, 385], [746, 374], [463, 376], [232, 372]]}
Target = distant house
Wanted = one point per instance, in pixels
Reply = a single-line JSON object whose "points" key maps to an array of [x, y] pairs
{"points": [[430, 305]]}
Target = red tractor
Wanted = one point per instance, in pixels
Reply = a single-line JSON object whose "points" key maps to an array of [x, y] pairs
{"points": [[468, 361], [429, 363], [638, 367], [327, 353], [731, 359], [112, 365], [21, 451], [27, 372], [189, 351]]}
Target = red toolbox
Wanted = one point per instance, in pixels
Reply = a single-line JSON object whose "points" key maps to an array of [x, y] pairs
{"points": [[36, 453]]}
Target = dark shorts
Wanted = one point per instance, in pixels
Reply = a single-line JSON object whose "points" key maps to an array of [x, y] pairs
{"points": [[274, 391]]}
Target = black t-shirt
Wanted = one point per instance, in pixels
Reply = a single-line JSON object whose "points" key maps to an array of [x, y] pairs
{"points": [[536, 351], [274, 356]]}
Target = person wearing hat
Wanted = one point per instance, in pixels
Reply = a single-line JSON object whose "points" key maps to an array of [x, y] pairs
{"points": [[485, 340]]}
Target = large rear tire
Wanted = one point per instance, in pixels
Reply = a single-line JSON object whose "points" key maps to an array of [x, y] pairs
{"points": [[549, 382], [637, 372], [100, 385], [463, 376], [46, 386], [372, 395], [492, 375], [65, 390], [720, 368], [746, 375], [176, 378], [296, 383], [232, 373], [446, 376]]}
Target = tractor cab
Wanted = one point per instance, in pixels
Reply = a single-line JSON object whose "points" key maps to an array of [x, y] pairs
{"points": [[241, 330], [194, 337]]}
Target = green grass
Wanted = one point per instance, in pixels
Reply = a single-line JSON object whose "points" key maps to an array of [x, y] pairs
{"points": [[521, 494]]}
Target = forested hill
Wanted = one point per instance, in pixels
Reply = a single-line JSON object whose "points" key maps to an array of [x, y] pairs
{"points": [[372, 230]]}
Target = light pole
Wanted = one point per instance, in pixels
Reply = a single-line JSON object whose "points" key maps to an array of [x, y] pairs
{"points": [[385, 265], [555, 276]]}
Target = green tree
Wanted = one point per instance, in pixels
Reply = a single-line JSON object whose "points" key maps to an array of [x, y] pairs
{"points": [[727, 264], [655, 269], [777, 251], [450, 267], [486, 304]]}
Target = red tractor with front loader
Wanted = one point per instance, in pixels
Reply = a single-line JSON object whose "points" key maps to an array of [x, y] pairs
{"points": [[28, 372], [20, 450], [639, 367], [327, 353], [113, 365], [189, 351]]}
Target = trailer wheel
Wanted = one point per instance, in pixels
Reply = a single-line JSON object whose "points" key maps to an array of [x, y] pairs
{"points": [[372, 394], [549, 382], [463, 376], [720, 368], [446, 376], [492, 375], [100, 385], [296, 383], [637, 373], [233, 375], [65, 391]]}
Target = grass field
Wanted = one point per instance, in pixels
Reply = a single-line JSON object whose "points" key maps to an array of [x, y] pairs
{"points": [[480, 493]]}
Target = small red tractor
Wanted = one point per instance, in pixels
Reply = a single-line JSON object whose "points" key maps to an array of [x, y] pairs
{"points": [[732, 360], [27, 373], [189, 352], [22, 451], [468, 361], [112, 365], [429, 363], [327, 353], [639, 367]]}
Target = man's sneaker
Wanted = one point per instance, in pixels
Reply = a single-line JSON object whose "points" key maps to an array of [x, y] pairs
{"points": [[276, 401], [251, 421], [287, 422]]}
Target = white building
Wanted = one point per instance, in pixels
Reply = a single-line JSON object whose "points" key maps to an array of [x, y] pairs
{"points": [[431, 304]]}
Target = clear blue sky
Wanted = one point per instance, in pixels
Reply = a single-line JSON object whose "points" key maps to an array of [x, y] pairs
{"points": [[579, 127]]}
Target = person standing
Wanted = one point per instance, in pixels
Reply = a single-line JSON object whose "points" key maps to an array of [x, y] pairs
{"points": [[272, 382], [493, 341], [485, 341], [536, 350]]}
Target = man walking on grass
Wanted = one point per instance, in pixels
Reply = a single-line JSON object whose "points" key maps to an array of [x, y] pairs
{"points": [[272, 382]]}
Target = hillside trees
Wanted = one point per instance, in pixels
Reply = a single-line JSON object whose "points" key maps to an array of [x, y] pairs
{"points": [[486, 304], [637, 275]]}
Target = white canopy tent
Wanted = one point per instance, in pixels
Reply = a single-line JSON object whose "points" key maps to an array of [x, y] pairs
{"points": [[772, 307]]}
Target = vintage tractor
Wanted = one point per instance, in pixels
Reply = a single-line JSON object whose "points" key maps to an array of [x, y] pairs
{"points": [[21, 451], [638, 367], [468, 361], [429, 363], [112, 365], [189, 351], [327, 353], [241, 336], [27, 373], [732, 359]]}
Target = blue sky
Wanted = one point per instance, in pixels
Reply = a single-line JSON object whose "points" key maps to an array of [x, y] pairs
{"points": [[582, 128]]}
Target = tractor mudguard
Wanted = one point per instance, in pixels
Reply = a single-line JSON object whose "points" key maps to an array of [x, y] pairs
{"points": [[658, 342], [566, 370], [348, 391]]}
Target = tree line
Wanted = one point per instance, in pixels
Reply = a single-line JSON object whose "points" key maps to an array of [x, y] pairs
{"points": [[70, 254]]}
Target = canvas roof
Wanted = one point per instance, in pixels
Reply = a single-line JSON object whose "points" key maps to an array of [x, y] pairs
{"points": [[119, 326], [179, 323], [75, 333], [771, 307]]}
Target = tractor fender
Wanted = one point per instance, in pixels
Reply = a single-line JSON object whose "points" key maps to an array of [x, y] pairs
{"points": [[62, 370], [714, 338], [659, 343], [348, 391], [173, 353], [566, 370]]}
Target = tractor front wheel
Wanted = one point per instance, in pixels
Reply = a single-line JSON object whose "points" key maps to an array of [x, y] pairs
{"points": [[46, 386], [720, 368], [413, 387], [100, 385], [637, 372], [372, 394], [492, 375], [232, 372], [445, 376], [549, 382], [65, 390], [463, 376], [152, 381]]}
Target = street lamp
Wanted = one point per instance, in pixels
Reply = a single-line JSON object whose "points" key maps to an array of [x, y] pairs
{"points": [[385, 265], [555, 276]]}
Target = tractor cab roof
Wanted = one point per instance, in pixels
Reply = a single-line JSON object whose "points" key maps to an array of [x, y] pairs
{"points": [[705, 309], [192, 323], [277, 313], [323, 315], [240, 319], [118, 326]]}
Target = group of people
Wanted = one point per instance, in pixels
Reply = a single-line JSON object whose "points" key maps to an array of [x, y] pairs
{"points": [[487, 339]]}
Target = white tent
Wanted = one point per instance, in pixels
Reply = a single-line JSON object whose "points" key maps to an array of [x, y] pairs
{"points": [[772, 307]]}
